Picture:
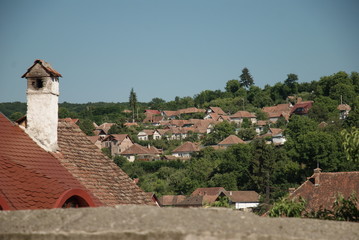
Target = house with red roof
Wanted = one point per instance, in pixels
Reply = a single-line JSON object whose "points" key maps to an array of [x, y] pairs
{"points": [[239, 116], [145, 135], [276, 136], [229, 141], [278, 111], [322, 188], [301, 108], [141, 153], [185, 150], [50, 163], [344, 110], [170, 200], [117, 143], [206, 196]]}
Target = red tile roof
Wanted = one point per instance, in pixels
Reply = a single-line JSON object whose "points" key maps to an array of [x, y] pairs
{"points": [[152, 112], [217, 110], [208, 191], [344, 107], [243, 114], [117, 137], [302, 107], [23, 159], [105, 127], [230, 140], [137, 149], [96, 172], [187, 147], [322, 188], [170, 200], [242, 196]]}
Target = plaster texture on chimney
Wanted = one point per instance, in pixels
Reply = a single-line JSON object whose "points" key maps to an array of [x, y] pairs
{"points": [[42, 119], [42, 104]]}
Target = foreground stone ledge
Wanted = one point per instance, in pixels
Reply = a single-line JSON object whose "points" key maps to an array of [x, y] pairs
{"points": [[146, 222]]}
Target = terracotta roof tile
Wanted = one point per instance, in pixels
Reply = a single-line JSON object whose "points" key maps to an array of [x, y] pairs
{"points": [[322, 188], [25, 158], [187, 147], [95, 171], [242, 196], [304, 107], [230, 140], [243, 114], [217, 110], [344, 107], [170, 200], [208, 191]]}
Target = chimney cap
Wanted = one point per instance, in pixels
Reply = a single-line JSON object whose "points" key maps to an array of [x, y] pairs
{"points": [[317, 170]]}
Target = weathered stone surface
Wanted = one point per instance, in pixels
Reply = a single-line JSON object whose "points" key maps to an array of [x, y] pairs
{"points": [[146, 222]]}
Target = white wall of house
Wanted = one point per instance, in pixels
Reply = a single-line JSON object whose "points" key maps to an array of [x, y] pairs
{"points": [[240, 205], [142, 136], [279, 140], [157, 135], [130, 158], [182, 154]]}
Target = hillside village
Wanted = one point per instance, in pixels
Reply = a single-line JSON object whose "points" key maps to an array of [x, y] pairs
{"points": [[189, 157]]}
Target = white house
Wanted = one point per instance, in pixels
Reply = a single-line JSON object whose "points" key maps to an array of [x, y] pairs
{"points": [[243, 199]]}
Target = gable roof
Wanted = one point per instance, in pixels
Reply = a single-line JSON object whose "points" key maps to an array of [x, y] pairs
{"points": [[170, 200], [105, 127], [40, 68], [217, 110], [302, 107], [230, 140], [94, 170], [242, 196], [344, 107], [117, 137], [94, 139], [152, 112], [322, 188], [279, 108], [275, 131], [31, 178], [137, 149], [208, 191], [146, 132], [187, 147], [243, 114]]}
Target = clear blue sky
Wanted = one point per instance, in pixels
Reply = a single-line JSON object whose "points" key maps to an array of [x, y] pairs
{"points": [[165, 48]]}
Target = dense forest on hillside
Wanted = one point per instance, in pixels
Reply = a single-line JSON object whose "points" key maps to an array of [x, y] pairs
{"points": [[267, 169]]}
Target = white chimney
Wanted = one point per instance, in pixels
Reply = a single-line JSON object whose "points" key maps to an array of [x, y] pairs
{"points": [[42, 104]]}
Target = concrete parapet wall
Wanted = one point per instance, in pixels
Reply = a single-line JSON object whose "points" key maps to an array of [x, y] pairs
{"points": [[146, 222]]}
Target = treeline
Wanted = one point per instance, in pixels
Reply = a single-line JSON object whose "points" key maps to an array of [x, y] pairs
{"points": [[239, 94], [257, 166]]}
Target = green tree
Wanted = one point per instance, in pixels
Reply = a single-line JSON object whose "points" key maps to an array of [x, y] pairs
{"points": [[324, 109], [246, 134], [316, 147], [87, 126], [16, 116], [220, 131], [351, 144], [288, 208], [157, 103], [299, 125], [133, 103], [232, 86], [246, 79]]}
